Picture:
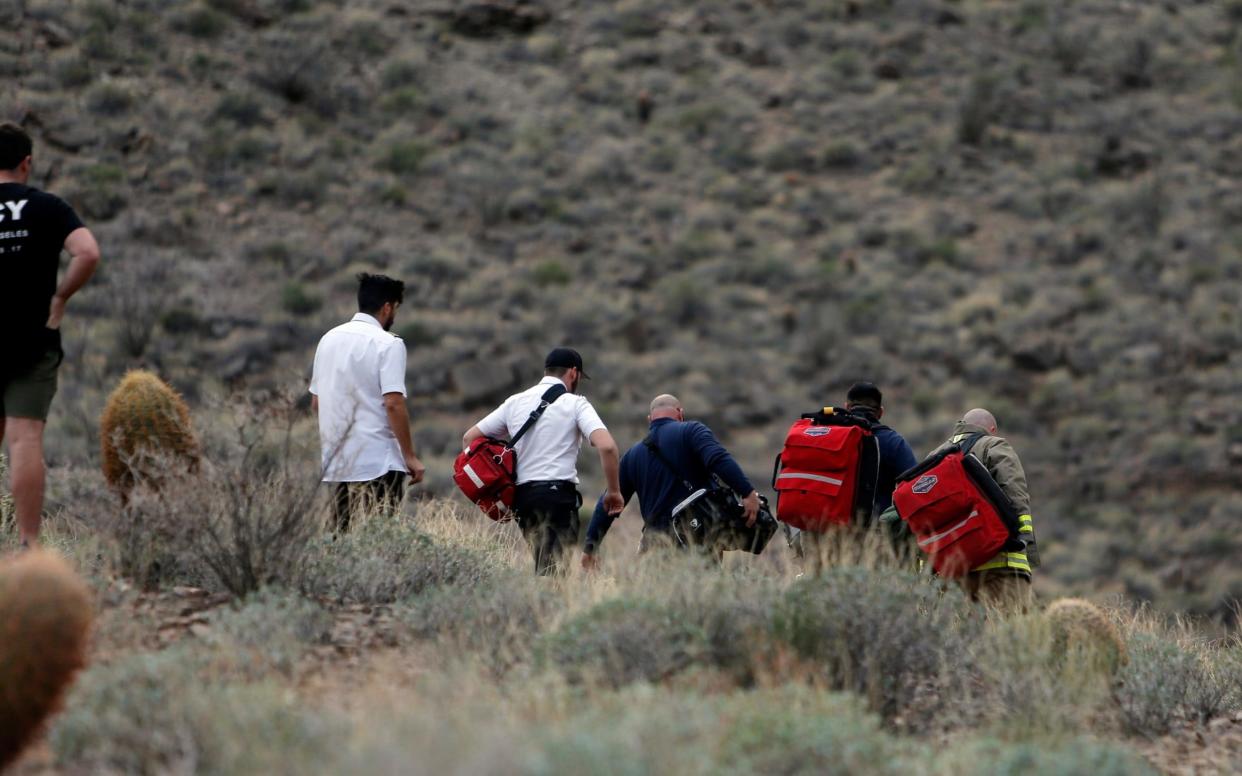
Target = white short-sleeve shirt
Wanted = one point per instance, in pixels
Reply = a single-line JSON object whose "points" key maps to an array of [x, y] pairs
{"points": [[355, 365], [549, 451]]}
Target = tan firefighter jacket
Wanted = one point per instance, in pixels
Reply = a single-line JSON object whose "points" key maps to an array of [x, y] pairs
{"points": [[1003, 464]]}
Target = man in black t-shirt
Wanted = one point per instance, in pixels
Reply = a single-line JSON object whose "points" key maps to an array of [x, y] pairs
{"points": [[34, 228]]}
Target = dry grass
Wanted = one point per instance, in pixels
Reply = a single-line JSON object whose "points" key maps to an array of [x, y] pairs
{"points": [[651, 665]]}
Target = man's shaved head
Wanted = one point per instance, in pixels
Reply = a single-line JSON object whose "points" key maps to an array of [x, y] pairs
{"points": [[981, 418], [666, 405], [665, 401]]}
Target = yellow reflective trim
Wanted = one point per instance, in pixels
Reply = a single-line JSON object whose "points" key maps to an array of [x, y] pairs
{"points": [[1007, 560]]}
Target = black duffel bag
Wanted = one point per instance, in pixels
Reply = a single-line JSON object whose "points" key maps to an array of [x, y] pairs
{"points": [[714, 520]]}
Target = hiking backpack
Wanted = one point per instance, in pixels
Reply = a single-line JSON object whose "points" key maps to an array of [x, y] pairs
{"points": [[486, 471], [826, 474], [959, 515]]}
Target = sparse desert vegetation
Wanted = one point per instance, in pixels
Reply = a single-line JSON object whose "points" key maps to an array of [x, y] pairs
{"points": [[1028, 205], [389, 649]]}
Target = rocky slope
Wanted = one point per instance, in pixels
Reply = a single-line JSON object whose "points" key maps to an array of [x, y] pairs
{"points": [[1031, 206]]}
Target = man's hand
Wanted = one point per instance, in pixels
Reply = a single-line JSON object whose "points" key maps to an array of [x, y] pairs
{"points": [[589, 562], [613, 503], [750, 508], [417, 470], [56, 313]]}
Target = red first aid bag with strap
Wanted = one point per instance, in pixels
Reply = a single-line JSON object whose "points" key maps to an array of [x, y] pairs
{"points": [[958, 513], [486, 471], [826, 474]]}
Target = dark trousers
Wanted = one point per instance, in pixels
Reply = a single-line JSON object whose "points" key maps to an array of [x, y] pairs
{"points": [[383, 494], [547, 513]]}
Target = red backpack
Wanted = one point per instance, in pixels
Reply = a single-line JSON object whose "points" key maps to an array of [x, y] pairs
{"points": [[958, 513], [827, 472], [486, 471]]}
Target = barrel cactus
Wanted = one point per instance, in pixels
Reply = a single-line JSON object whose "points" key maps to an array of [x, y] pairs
{"points": [[145, 431], [45, 619], [1081, 625]]}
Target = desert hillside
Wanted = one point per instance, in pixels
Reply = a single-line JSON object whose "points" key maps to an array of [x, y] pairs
{"points": [[1028, 205]]}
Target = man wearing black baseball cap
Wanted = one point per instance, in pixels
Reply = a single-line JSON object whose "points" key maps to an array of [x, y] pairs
{"points": [[546, 499], [565, 358]]}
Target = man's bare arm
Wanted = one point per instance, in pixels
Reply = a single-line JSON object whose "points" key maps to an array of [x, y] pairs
{"points": [[314, 404], [471, 435], [84, 254], [399, 422], [610, 458]]}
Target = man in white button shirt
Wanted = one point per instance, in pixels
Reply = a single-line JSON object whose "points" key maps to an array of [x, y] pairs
{"points": [[358, 391], [546, 500]]}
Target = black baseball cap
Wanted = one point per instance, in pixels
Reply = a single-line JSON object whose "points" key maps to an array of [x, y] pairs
{"points": [[565, 358]]}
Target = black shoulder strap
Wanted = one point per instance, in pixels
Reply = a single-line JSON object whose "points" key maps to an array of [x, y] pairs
{"points": [[654, 447], [969, 443], [549, 396]]}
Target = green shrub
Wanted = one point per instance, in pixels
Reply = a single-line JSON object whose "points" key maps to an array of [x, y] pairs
{"points": [[74, 72], [1031, 678], [200, 22], [1079, 756], [243, 108], [382, 560], [269, 632], [799, 731], [977, 110], [551, 273], [499, 622], [1165, 683], [732, 611], [405, 157], [840, 155], [401, 73], [403, 100], [884, 636], [155, 713], [8, 518], [622, 641], [109, 99], [295, 299], [365, 37]]}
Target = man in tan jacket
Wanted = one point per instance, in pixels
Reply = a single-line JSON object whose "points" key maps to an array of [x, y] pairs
{"points": [[1005, 580]]}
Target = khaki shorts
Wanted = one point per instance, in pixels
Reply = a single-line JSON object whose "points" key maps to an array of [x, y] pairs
{"points": [[29, 394]]}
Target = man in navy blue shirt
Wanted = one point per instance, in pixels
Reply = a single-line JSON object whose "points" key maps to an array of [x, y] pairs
{"points": [[895, 453], [692, 450]]}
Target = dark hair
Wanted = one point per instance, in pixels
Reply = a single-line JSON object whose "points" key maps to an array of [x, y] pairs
{"points": [[866, 394], [556, 371], [15, 146], [375, 291]]}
